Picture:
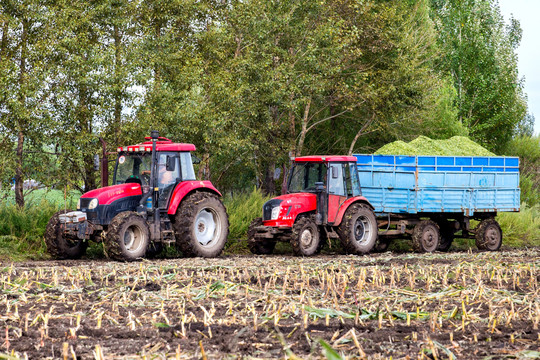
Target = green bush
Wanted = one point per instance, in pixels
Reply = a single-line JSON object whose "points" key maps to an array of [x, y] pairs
{"points": [[242, 209], [521, 229], [528, 150]]}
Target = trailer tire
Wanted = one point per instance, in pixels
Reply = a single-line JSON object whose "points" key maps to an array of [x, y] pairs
{"points": [[127, 237], [358, 229], [489, 235], [259, 246], [57, 245], [305, 238], [426, 236], [447, 236], [201, 225]]}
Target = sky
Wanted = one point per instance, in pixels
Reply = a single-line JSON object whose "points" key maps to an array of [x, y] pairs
{"points": [[526, 11]]}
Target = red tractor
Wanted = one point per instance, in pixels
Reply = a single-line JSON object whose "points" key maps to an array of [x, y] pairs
{"points": [[155, 199], [323, 201]]}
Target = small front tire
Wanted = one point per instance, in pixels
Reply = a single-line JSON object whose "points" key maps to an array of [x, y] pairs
{"points": [[60, 247], [127, 237], [305, 239]]}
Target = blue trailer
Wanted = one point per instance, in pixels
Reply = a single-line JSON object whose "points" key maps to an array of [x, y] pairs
{"points": [[431, 198]]}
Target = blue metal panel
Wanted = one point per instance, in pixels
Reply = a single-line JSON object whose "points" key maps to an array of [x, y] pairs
{"points": [[463, 184]]}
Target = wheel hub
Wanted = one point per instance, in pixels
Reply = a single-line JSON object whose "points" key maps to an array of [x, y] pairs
{"points": [[133, 238], [429, 237], [360, 229], [306, 238], [206, 227], [492, 235]]}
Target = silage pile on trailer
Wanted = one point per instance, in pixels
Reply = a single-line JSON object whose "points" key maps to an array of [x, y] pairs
{"points": [[422, 145]]}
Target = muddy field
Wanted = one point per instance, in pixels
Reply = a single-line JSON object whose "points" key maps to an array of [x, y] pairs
{"points": [[433, 306]]}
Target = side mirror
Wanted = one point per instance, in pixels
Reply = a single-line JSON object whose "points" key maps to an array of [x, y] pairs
{"points": [[96, 162], [195, 160], [170, 164], [335, 174]]}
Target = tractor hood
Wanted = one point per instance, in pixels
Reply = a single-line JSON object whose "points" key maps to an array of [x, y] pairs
{"points": [[109, 194], [291, 205]]}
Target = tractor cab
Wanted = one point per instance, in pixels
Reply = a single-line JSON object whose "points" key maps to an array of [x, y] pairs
{"points": [[333, 179]]}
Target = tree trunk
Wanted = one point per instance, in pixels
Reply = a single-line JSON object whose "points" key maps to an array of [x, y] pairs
{"points": [[360, 132], [3, 44], [269, 186], [304, 129], [19, 178]]}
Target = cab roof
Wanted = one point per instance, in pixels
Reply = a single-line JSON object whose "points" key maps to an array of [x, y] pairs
{"points": [[162, 144], [325, 158]]}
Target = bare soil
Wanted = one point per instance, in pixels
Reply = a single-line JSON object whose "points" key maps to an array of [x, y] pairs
{"points": [[469, 305]]}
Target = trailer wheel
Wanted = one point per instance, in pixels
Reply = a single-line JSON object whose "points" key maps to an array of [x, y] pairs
{"points": [[447, 236], [259, 246], [201, 225], [127, 237], [305, 239], [358, 229], [489, 235], [426, 236], [60, 247], [382, 245]]}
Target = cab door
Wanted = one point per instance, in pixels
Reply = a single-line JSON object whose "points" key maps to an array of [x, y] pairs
{"points": [[337, 190]]}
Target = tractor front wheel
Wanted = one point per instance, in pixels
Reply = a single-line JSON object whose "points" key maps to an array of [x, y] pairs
{"points": [[127, 237], [358, 229], [201, 225], [305, 239], [60, 247], [259, 246]]}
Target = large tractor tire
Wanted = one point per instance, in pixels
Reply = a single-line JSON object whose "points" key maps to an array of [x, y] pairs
{"points": [[127, 237], [201, 225], [60, 247], [259, 246], [426, 236], [305, 239], [489, 235], [358, 229]]}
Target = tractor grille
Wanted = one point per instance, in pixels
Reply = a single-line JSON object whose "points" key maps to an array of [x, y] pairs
{"points": [[268, 206]]}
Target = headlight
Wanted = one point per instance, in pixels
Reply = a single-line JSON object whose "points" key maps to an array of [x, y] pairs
{"points": [[79, 204], [93, 204], [275, 213]]}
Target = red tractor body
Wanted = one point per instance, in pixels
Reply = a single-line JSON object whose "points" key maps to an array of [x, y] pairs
{"points": [[155, 199], [323, 200]]}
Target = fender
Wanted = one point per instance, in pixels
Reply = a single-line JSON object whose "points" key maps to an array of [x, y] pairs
{"points": [[186, 187], [345, 206]]}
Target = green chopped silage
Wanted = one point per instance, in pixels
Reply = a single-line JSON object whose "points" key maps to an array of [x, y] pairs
{"points": [[455, 146]]}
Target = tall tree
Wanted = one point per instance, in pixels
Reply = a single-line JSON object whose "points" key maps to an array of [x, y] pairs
{"points": [[479, 51]]}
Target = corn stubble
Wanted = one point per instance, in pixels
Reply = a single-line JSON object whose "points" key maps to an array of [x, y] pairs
{"points": [[436, 306]]}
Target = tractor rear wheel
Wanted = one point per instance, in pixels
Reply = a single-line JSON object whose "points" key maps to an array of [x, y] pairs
{"points": [[201, 225], [127, 237], [358, 229], [426, 236], [60, 247], [259, 246], [305, 239], [489, 235]]}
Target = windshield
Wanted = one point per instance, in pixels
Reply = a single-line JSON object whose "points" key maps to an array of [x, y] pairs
{"points": [[305, 175], [130, 167]]}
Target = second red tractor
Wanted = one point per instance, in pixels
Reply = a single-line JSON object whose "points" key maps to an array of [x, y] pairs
{"points": [[323, 201]]}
